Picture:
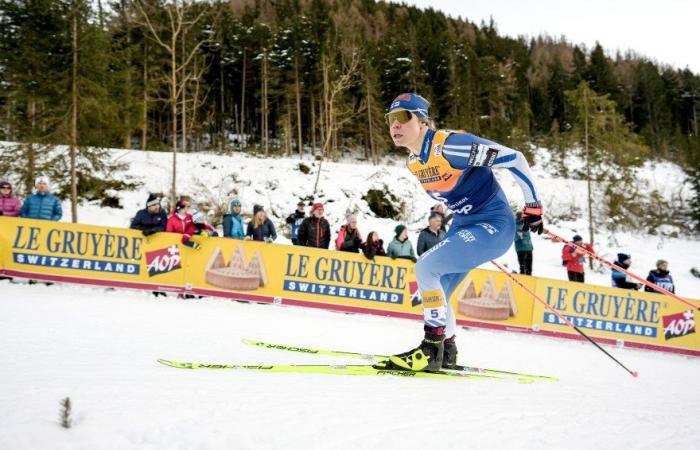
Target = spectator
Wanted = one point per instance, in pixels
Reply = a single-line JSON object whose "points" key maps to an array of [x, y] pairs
{"points": [[621, 280], [151, 219], [441, 209], [373, 246], [295, 219], [661, 277], [233, 222], [10, 205], [260, 228], [430, 235], [523, 245], [315, 231], [349, 239], [574, 258], [180, 222], [42, 205], [401, 247], [203, 228]]}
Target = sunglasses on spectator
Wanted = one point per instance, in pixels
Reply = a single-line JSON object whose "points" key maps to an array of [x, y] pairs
{"points": [[402, 116], [5, 187]]}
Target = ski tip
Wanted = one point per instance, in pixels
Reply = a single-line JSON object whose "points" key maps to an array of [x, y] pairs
{"points": [[635, 374]]}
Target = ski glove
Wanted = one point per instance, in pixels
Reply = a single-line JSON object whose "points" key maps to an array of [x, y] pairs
{"points": [[532, 218]]}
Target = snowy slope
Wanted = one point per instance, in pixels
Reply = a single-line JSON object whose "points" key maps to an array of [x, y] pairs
{"points": [[278, 184], [99, 348]]}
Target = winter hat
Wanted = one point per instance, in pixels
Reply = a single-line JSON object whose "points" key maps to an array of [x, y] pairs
{"points": [[399, 229], [411, 102], [623, 257], [577, 238], [44, 179], [301, 204], [5, 184], [181, 204], [152, 200], [198, 217], [235, 203], [257, 209], [350, 218], [316, 206]]}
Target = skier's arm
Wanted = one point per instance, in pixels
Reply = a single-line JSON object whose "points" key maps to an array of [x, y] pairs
{"points": [[464, 150]]}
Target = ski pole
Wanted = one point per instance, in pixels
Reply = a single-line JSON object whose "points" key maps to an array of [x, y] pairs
{"points": [[626, 272], [562, 317]]}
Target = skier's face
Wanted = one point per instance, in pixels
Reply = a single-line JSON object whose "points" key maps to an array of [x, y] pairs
{"points": [[404, 128]]}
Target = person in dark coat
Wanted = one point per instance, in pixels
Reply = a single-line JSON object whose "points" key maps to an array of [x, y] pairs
{"points": [[523, 245], [349, 239], [10, 205], [294, 220], [441, 209], [42, 205], [373, 246], [431, 235], [315, 231], [661, 277], [260, 228], [619, 279], [151, 219]]}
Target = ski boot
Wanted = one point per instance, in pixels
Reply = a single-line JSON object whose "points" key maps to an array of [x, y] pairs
{"points": [[449, 354], [426, 357]]}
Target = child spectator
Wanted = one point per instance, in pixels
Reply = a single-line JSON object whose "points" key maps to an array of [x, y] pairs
{"points": [[349, 239], [523, 245], [233, 222], [574, 257], [42, 205], [10, 205], [373, 246], [661, 277], [151, 219], [401, 247], [431, 235], [621, 280], [203, 228], [180, 221], [260, 228], [315, 231], [295, 219]]}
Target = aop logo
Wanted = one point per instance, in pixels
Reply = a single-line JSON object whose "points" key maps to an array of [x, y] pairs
{"points": [[678, 325], [163, 260]]}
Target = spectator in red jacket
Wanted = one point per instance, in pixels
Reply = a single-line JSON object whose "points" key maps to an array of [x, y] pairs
{"points": [[573, 256], [9, 204], [180, 221], [315, 231]]}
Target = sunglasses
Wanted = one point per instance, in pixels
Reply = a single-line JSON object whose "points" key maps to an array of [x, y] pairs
{"points": [[402, 116]]}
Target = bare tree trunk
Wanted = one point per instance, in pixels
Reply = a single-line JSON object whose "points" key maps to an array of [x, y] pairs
{"points": [[241, 129], [74, 121], [222, 142], [313, 123], [173, 113], [372, 152], [183, 94], [144, 112], [265, 133], [300, 144], [591, 226], [129, 88]]}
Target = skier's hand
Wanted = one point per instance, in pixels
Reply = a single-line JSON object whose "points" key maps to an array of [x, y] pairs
{"points": [[532, 218]]}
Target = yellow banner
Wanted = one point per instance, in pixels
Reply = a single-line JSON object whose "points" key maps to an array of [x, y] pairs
{"points": [[336, 280]]}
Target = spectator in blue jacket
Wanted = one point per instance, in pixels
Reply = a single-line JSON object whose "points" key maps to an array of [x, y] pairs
{"points": [[42, 205], [151, 219], [619, 279], [661, 277], [523, 245], [233, 222], [294, 220]]}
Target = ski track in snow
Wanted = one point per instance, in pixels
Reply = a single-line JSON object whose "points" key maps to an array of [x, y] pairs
{"points": [[100, 347]]}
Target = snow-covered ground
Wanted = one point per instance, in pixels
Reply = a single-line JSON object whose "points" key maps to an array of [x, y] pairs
{"points": [[278, 184], [100, 347]]}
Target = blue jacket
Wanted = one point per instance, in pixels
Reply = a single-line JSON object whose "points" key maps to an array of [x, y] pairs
{"points": [[233, 226], [619, 279], [266, 231], [522, 238], [42, 206], [661, 278]]}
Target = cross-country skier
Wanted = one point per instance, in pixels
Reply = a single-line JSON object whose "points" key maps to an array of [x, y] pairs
{"points": [[455, 167]]}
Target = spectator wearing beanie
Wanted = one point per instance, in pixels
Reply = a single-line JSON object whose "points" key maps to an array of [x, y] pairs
{"points": [[349, 239], [151, 219], [233, 222], [180, 222], [260, 228], [621, 280], [373, 246], [10, 205], [294, 220], [42, 205], [574, 258], [431, 235], [401, 247], [661, 277], [315, 231]]}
